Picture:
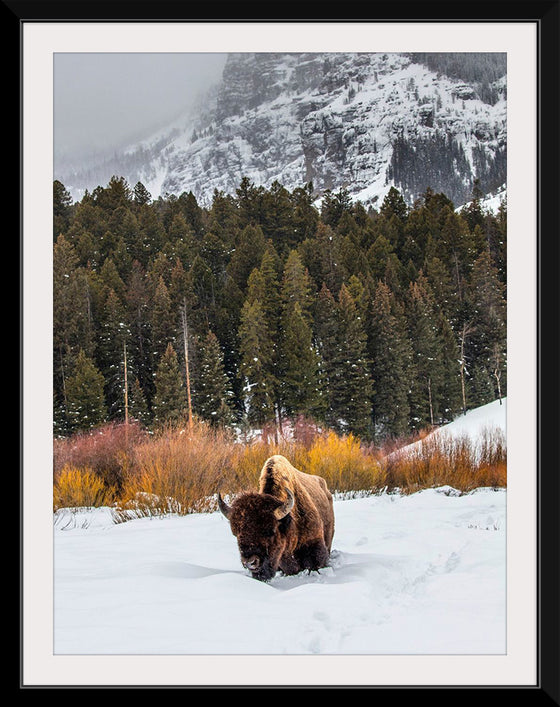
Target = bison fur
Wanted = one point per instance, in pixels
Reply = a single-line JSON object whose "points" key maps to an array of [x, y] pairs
{"points": [[287, 526]]}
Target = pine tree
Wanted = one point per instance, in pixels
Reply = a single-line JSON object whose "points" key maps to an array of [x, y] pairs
{"points": [[73, 326], [488, 345], [84, 393], [256, 352], [352, 386], [141, 194], [320, 256], [137, 405], [212, 394], [114, 332], [169, 404], [249, 250], [298, 364], [62, 202], [427, 350], [163, 321], [138, 304], [277, 219], [450, 393], [391, 355], [326, 340], [378, 257]]}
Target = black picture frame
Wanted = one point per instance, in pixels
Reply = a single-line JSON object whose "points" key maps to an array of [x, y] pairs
{"points": [[545, 15]]}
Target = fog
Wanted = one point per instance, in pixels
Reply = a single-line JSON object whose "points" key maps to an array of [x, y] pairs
{"points": [[103, 101]]}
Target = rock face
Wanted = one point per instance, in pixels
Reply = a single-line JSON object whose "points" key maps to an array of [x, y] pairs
{"points": [[360, 122]]}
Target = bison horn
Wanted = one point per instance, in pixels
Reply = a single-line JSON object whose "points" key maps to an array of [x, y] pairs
{"points": [[223, 506], [283, 511]]}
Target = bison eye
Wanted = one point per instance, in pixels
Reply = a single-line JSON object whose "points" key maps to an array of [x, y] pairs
{"points": [[268, 532]]}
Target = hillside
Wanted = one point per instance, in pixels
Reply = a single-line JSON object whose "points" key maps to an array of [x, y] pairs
{"points": [[362, 122]]}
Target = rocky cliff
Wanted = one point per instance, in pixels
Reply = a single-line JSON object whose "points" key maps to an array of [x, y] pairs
{"points": [[362, 122]]}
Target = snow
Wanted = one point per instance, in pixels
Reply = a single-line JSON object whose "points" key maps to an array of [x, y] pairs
{"points": [[275, 138], [474, 425], [418, 574]]}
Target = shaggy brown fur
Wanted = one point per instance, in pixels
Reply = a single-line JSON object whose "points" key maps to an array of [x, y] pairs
{"points": [[301, 539]]}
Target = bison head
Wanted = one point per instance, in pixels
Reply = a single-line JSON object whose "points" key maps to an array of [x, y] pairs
{"points": [[260, 522]]}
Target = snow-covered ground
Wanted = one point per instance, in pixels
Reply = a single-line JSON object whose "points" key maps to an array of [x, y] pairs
{"points": [[474, 425], [409, 575], [422, 574]]}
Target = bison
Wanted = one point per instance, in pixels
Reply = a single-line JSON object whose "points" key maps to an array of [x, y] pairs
{"points": [[288, 525]]}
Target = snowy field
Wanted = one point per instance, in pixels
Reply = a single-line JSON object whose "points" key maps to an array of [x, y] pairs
{"points": [[421, 574], [418, 574]]}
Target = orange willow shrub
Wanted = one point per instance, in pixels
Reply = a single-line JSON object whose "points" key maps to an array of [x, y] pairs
{"points": [[344, 464], [75, 488], [105, 451], [440, 459], [177, 471]]}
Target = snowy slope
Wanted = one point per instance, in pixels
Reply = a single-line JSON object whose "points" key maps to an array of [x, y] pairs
{"points": [[418, 574], [330, 119], [474, 425]]}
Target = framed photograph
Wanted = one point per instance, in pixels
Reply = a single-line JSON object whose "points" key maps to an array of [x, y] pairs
{"points": [[397, 178]]}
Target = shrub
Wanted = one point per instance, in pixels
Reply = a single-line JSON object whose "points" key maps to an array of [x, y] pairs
{"points": [[440, 459], [106, 451], [80, 488], [177, 471], [344, 464]]}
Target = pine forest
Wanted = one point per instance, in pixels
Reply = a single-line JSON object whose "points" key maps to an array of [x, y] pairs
{"points": [[264, 308]]}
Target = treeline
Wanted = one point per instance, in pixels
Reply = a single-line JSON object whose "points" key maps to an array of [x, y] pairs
{"points": [[481, 69], [376, 322]]}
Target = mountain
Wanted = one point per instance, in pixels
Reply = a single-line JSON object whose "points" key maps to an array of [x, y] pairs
{"points": [[359, 122]]}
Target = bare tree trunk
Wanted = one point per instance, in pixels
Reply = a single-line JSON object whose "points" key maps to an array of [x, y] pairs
{"points": [[125, 388], [466, 330], [463, 371], [430, 399], [187, 373], [125, 396], [497, 372]]}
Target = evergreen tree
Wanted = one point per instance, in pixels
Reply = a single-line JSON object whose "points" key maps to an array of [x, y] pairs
{"points": [[163, 321], [286, 290], [391, 355], [212, 394], [137, 405], [62, 202], [378, 257], [352, 385], [427, 348], [334, 206], [169, 404], [298, 363], [320, 256], [181, 240], [326, 338], [250, 202], [141, 194], [256, 352], [305, 216], [84, 393], [450, 392], [113, 334], [488, 344], [117, 193], [138, 304], [192, 213], [277, 219], [73, 326], [249, 250]]}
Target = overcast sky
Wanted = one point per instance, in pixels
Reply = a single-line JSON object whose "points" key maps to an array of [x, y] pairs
{"points": [[101, 100]]}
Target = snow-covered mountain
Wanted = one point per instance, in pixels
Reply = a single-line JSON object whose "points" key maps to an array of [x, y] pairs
{"points": [[360, 122]]}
